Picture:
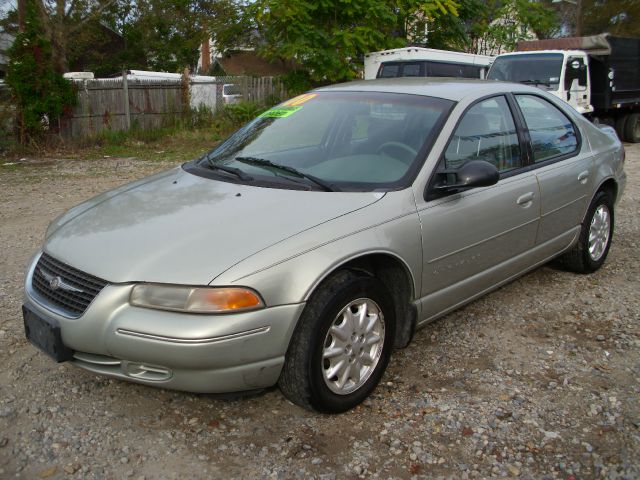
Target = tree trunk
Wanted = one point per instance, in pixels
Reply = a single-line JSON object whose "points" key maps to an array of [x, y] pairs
{"points": [[21, 10], [59, 38]]}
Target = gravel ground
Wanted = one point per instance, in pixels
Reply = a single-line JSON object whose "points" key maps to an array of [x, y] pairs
{"points": [[540, 379]]}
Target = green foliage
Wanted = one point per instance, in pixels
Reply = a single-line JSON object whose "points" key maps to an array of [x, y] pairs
{"points": [[513, 21], [618, 17], [230, 25], [38, 91], [328, 38], [237, 114], [494, 26], [297, 82]]}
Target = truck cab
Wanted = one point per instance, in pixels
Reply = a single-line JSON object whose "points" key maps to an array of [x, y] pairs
{"points": [[563, 73]]}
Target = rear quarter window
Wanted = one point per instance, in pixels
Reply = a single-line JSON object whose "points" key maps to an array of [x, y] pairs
{"points": [[552, 133]]}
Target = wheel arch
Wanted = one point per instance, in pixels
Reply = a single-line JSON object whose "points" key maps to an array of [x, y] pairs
{"points": [[610, 185], [395, 275]]}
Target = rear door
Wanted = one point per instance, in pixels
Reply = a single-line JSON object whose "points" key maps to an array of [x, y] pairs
{"points": [[563, 165]]}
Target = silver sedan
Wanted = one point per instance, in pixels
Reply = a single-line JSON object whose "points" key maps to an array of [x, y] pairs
{"points": [[317, 238]]}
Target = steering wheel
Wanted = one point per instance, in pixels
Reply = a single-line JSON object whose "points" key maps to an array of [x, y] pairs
{"points": [[403, 148]]}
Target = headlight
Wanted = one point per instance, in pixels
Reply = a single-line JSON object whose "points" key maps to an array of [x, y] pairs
{"points": [[195, 299]]}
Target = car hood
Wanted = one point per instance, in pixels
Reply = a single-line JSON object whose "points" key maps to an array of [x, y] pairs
{"points": [[177, 227]]}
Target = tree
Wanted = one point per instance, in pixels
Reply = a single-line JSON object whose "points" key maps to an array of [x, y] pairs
{"points": [[328, 38], [39, 91], [618, 17], [494, 26]]}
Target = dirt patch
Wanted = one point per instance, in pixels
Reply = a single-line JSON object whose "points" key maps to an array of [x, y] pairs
{"points": [[539, 379]]}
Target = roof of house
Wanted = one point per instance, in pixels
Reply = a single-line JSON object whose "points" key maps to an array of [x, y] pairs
{"points": [[249, 63]]}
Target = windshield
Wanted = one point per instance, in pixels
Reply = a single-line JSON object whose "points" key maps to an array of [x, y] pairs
{"points": [[539, 69], [332, 141]]}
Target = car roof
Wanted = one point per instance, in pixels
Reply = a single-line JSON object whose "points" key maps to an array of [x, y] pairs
{"points": [[448, 88]]}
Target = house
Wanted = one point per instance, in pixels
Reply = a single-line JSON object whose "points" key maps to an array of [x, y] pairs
{"points": [[239, 61], [6, 40], [101, 58]]}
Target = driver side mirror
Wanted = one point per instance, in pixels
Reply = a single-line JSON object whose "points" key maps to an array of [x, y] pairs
{"points": [[474, 174]]}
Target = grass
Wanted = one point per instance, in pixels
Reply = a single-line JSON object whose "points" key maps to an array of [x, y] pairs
{"points": [[177, 143], [165, 144], [172, 144]]}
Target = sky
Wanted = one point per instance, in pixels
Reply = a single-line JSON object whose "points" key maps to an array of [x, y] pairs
{"points": [[6, 5]]}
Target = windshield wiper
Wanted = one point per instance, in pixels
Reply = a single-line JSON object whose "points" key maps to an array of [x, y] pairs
{"points": [[268, 163], [233, 171]]}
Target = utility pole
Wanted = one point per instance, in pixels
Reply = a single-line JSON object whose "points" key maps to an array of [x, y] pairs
{"points": [[21, 14], [578, 18]]}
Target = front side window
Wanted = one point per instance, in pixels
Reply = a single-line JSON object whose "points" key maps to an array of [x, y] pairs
{"points": [[575, 74], [349, 140], [486, 132], [552, 133]]}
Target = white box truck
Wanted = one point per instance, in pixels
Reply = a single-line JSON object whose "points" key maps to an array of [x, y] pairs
{"points": [[424, 62]]}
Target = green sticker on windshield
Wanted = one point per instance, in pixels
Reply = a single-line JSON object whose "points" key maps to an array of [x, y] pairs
{"points": [[279, 112]]}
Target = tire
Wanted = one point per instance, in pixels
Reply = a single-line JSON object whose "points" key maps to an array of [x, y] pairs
{"points": [[306, 376], [621, 121], [632, 128], [581, 258]]}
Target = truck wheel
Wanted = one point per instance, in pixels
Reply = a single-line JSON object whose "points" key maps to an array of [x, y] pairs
{"points": [[342, 344], [621, 121], [632, 128]]}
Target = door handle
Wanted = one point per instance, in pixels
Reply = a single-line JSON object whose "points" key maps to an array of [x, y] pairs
{"points": [[583, 177], [525, 199]]}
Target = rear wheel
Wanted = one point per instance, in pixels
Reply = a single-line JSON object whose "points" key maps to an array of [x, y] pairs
{"points": [[342, 344], [632, 128], [620, 124], [589, 254]]}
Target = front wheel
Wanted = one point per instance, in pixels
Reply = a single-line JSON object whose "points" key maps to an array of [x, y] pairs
{"points": [[342, 344], [589, 254]]}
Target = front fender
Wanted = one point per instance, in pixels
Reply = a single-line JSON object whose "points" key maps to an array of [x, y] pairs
{"points": [[289, 272]]}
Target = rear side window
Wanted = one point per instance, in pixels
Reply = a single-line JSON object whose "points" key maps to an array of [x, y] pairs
{"points": [[552, 133], [469, 71], [438, 69], [486, 132], [389, 70], [411, 70]]}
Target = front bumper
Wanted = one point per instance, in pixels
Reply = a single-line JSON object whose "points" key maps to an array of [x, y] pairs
{"points": [[190, 352]]}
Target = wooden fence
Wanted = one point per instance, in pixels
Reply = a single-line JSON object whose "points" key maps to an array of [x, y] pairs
{"points": [[258, 89], [119, 104]]}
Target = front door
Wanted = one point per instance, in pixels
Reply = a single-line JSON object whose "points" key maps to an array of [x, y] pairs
{"points": [[475, 239]]}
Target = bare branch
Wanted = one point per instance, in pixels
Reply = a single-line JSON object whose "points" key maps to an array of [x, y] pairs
{"points": [[93, 14]]}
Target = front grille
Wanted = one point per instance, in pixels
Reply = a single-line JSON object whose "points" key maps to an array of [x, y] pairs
{"points": [[66, 287]]}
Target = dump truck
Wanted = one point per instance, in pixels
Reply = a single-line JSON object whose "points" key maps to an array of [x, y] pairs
{"points": [[598, 75]]}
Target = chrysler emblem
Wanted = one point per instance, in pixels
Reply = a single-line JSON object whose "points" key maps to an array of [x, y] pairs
{"points": [[55, 282], [58, 283]]}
